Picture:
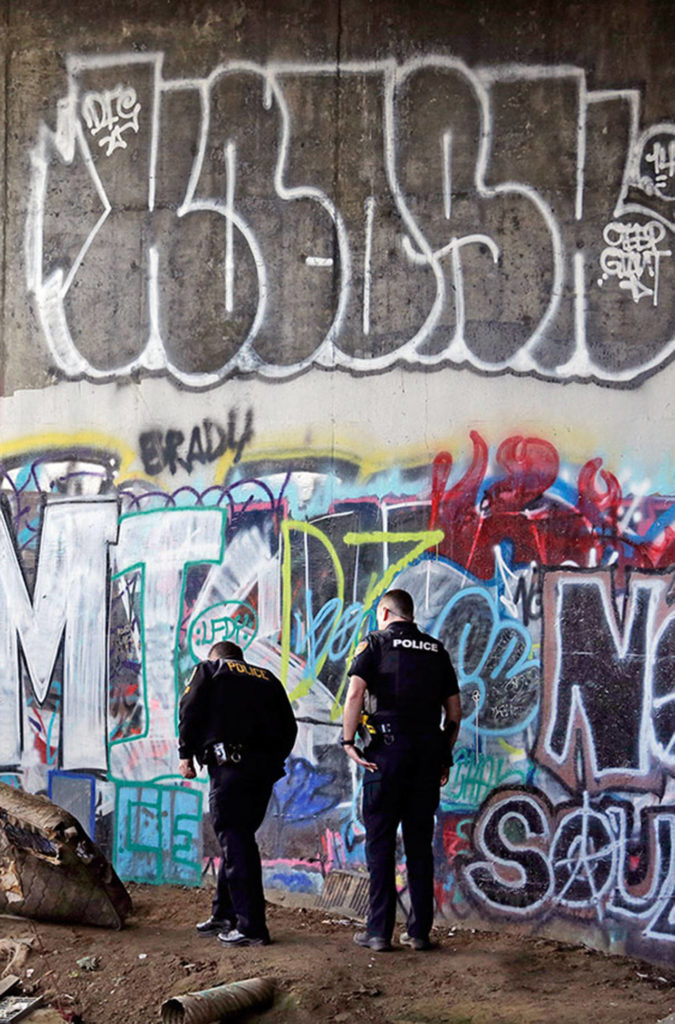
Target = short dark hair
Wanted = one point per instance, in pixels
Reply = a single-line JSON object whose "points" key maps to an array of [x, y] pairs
{"points": [[226, 649], [400, 603]]}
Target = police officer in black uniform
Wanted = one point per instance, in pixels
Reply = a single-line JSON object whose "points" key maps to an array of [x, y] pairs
{"points": [[236, 719], [403, 679]]}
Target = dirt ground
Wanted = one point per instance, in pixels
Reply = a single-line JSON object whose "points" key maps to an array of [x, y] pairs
{"points": [[320, 975]]}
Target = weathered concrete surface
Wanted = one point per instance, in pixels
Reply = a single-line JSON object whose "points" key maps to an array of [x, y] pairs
{"points": [[335, 168], [303, 300]]}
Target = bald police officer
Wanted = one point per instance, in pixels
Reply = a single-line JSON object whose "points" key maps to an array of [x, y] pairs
{"points": [[236, 718], [404, 681]]}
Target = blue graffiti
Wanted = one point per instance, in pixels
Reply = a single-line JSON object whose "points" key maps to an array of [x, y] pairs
{"points": [[158, 834], [305, 792]]}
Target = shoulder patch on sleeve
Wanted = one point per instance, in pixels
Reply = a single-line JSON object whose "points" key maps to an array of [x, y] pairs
{"points": [[361, 648]]}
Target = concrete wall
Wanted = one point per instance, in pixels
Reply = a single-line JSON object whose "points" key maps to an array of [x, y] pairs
{"points": [[300, 301]]}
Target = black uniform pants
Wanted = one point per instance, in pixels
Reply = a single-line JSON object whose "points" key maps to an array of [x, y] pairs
{"points": [[405, 790], [238, 799]]}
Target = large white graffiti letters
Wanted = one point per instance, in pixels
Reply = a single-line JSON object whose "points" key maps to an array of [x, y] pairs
{"points": [[183, 537], [602, 650], [584, 860], [69, 603], [290, 215], [510, 866]]}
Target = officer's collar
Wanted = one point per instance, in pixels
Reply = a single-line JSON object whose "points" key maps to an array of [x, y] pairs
{"points": [[400, 624]]}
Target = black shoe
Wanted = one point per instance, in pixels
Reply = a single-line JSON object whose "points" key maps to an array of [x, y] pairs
{"points": [[237, 938], [420, 945], [213, 925], [374, 942]]}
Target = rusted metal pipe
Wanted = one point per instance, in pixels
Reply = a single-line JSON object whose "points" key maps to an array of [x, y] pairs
{"points": [[216, 1003]]}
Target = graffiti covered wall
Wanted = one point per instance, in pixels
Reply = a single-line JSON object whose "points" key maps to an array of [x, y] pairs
{"points": [[296, 309]]}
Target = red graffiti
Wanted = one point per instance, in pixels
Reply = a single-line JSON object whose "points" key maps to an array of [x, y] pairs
{"points": [[453, 839], [519, 508]]}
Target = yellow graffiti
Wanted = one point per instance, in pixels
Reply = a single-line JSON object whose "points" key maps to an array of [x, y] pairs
{"points": [[305, 685], [367, 463], [421, 541], [85, 440], [223, 466], [518, 752]]}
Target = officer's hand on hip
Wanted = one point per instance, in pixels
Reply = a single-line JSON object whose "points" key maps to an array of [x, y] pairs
{"points": [[187, 768], [356, 755]]}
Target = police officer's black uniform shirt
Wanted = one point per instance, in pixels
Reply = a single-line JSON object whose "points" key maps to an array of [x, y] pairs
{"points": [[229, 701], [407, 672]]}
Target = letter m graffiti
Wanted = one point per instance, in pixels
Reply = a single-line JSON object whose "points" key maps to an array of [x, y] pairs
{"points": [[68, 610], [594, 726]]}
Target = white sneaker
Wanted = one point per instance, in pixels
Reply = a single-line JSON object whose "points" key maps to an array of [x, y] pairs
{"points": [[420, 945], [237, 938]]}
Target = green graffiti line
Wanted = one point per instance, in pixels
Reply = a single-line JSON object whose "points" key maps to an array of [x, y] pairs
{"points": [[241, 627], [140, 568], [421, 541], [151, 825], [289, 525]]}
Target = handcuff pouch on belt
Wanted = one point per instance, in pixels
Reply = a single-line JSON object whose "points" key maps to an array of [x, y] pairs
{"points": [[227, 753]]}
